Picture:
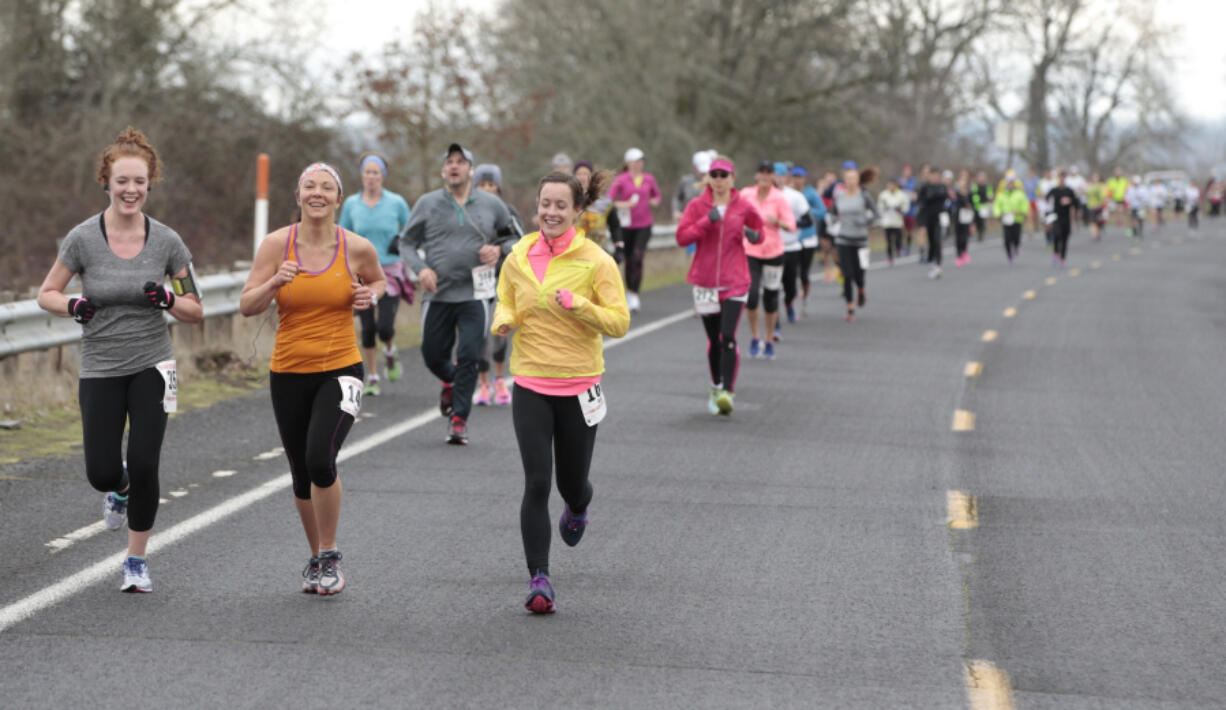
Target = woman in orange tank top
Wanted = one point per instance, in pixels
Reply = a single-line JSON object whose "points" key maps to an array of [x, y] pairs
{"points": [[318, 274]]}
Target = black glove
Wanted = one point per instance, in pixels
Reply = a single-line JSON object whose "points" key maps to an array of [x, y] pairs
{"points": [[753, 235], [158, 296], [713, 215], [805, 221], [81, 309]]}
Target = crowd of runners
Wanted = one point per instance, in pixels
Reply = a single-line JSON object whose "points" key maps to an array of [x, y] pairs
{"points": [[491, 285]]}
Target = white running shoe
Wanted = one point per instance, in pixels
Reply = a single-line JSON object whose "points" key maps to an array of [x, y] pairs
{"points": [[310, 576], [633, 302], [136, 576], [712, 407], [114, 511], [935, 273], [331, 581]]}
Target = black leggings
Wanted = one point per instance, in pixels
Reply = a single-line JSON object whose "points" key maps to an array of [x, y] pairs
{"points": [[723, 357], [770, 297], [312, 425], [806, 265], [1060, 232], [495, 346], [932, 224], [849, 264], [550, 428], [636, 248], [1013, 239], [107, 403], [962, 235], [380, 320], [792, 267], [893, 242]]}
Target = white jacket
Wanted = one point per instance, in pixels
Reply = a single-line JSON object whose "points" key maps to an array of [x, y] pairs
{"points": [[893, 205]]}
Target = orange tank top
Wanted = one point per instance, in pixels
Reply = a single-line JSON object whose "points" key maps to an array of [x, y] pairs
{"points": [[315, 332]]}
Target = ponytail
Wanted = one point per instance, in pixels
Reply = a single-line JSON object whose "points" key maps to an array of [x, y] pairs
{"points": [[582, 199]]}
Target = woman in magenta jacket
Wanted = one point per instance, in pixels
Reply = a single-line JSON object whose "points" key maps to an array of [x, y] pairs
{"points": [[636, 193], [718, 222]]}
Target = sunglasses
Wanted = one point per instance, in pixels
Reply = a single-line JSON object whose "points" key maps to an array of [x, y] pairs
{"points": [[719, 173]]}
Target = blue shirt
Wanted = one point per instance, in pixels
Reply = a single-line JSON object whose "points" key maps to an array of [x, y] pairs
{"points": [[816, 208], [908, 186], [380, 224], [1031, 185]]}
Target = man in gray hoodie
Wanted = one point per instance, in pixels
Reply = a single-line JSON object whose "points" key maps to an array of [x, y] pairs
{"points": [[462, 233]]}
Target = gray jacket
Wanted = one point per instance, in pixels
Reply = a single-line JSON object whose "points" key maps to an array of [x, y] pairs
{"points": [[451, 236], [856, 213]]}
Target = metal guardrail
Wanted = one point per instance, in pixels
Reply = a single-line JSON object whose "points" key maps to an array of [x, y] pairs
{"points": [[24, 326]]}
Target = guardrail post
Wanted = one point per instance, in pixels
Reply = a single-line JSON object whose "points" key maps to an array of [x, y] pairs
{"points": [[261, 202]]}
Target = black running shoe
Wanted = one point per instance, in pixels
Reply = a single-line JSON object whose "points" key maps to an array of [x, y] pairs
{"points": [[444, 400], [457, 431]]}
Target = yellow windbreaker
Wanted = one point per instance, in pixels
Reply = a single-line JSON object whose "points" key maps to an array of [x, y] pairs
{"points": [[549, 340]]}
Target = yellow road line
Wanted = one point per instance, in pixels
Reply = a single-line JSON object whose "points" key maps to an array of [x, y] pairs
{"points": [[963, 420], [1074, 272], [987, 686], [1116, 257], [972, 369], [989, 336], [1010, 312], [1029, 295], [1051, 281], [1095, 264], [962, 512]]}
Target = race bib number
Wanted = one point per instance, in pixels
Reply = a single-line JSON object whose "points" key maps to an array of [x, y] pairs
{"points": [[170, 378], [863, 254], [593, 405], [772, 277], [351, 395], [809, 242], [966, 215], [1007, 219], [706, 300], [943, 218], [623, 216], [985, 212], [485, 282], [1050, 218]]}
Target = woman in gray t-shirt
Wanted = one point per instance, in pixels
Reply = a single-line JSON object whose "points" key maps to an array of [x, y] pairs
{"points": [[856, 211], [127, 372]]}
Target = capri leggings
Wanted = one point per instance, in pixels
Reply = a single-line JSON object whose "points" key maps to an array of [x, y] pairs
{"points": [[853, 271], [107, 403], [550, 431], [495, 346], [770, 297], [311, 423], [380, 320], [806, 265], [791, 272], [723, 356], [636, 250]]}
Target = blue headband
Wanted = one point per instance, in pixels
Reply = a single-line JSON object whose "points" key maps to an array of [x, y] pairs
{"points": [[376, 160]]}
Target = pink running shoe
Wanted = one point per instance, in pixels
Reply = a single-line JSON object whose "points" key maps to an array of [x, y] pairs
{"points": [[502, 396], [483, 395]]}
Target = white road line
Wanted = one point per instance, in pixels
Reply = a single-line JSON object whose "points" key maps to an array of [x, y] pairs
{"points": [[61, 543], [109, 567]]}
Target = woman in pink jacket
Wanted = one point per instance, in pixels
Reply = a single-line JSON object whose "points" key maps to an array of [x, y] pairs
{"points": [[636, 193], [719, 222], [766, 257]]}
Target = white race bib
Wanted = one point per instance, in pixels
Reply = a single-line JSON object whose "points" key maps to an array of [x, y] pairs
{"points": [[966, 215], [485, 282], [1007, 219], [943, 218], [985, 212], [834, 228], [593, 405], [623, 216], [863, 254], [772, 278], [706, 300], [351, 395], [809, 243], [1050, 218], [170, 377]]}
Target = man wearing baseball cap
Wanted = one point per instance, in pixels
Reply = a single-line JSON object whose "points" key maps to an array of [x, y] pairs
{"points": [[462, 233]]}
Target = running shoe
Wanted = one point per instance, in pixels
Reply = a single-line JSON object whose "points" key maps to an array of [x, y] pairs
{"points": [[861, 298], [755, 348], [457, 431], [540, 595], [331, 580], [483, 395], [394, 368], [372, 386], [502, 396], [850, 317], [633, 302], [769, 351], [445, 398], [712, 405], [571, 526], [136, 576], [777, 336], [310, 576], [791, 313], [114, 510], [935, 273], [724, 402]]}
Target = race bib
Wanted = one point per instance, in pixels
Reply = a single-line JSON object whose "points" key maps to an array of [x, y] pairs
{"points": [[809, 243], [593, 405], [772, 278], [834, 228], [485, 282], [966, 215], [706, 300], [1050, 218], [170, 377], [1007, 219], [863, 253], [351, 395], [623, 216], [985, 212], [943, 218]]}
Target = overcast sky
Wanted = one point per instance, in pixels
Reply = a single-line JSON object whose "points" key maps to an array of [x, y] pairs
{"points": [[1200, 65]]}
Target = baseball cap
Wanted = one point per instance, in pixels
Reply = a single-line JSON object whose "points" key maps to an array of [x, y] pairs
{"points": [[457, 148], [632, 155], [781, 168], [799, 171], [849, 165], [766, 166], [721, 164], [563, 163]]}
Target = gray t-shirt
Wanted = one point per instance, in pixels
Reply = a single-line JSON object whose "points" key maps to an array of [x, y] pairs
{"points": [[451, 236], [126, 335], [856, 212]]}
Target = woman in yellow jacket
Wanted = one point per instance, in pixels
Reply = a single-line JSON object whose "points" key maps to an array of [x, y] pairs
{"points": [[1011, 207], [560, 293]]}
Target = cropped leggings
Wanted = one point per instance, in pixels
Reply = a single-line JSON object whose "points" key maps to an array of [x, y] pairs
{"points": [[107, 403], [723, 357], [552, 435], [380, 320], [312, 424], [770, 296]]}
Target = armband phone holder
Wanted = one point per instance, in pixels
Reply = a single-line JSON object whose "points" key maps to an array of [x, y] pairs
{"points": [[187, 284]]}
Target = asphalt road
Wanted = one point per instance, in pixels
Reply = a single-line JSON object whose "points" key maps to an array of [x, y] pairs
{"points": [[834, 544]]}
